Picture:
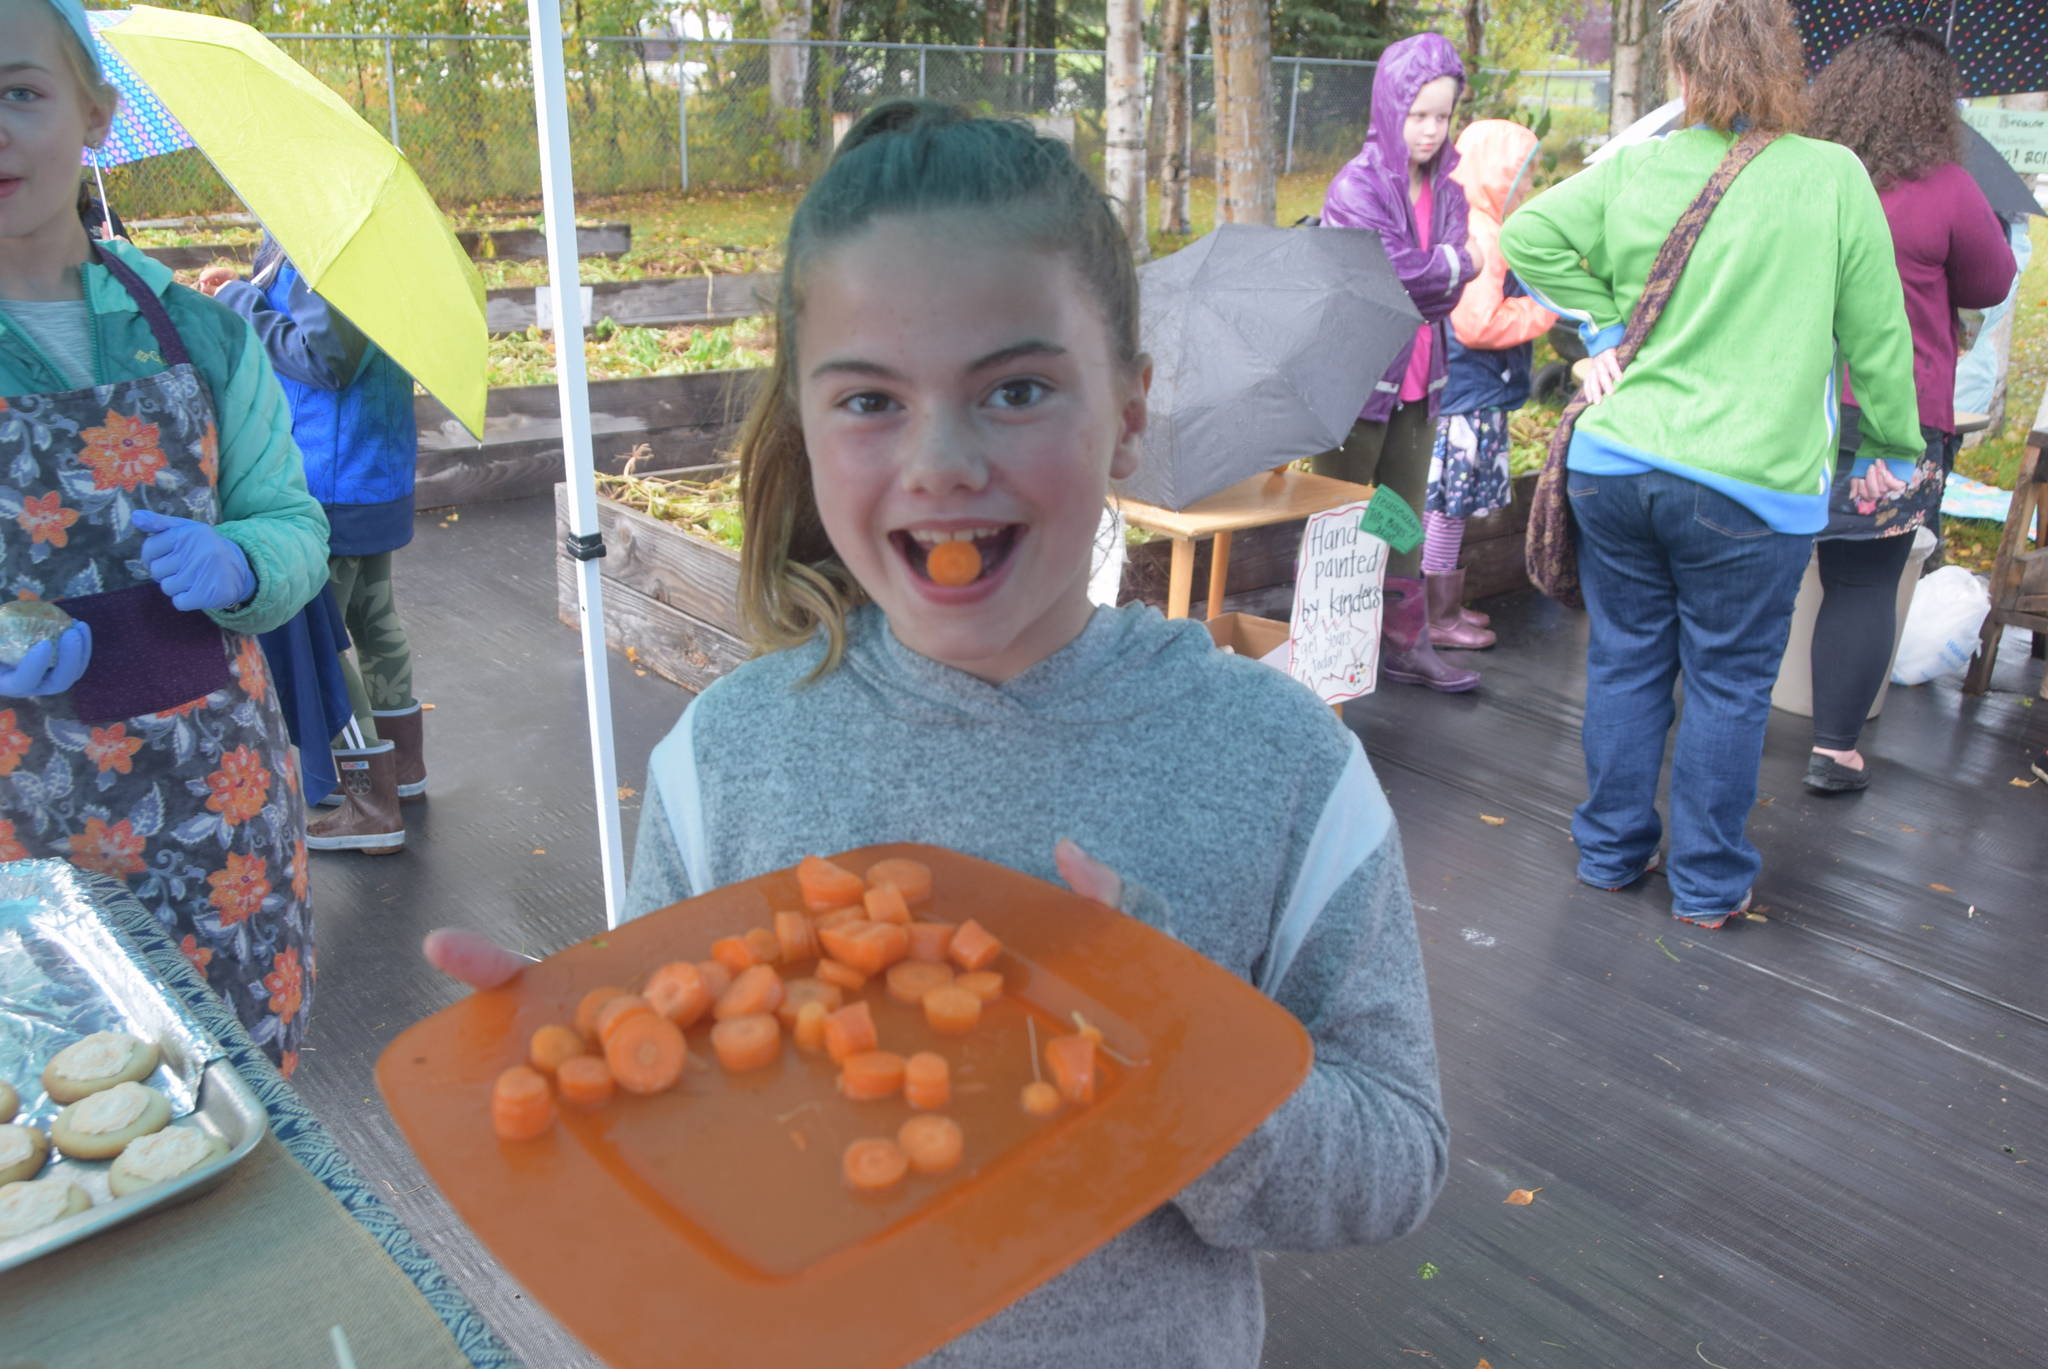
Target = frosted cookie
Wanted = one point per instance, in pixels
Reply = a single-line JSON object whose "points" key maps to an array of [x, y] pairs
{"points": [[97, 1062], [10, 1101], [31, 1207], [22, 1152], [167, 1154], [97, 1128]]}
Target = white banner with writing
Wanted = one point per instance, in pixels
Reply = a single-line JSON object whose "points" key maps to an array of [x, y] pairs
{"points": [[1335, 626]]}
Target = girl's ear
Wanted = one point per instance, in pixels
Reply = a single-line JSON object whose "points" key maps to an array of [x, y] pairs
{"points": [[1123, 460]]}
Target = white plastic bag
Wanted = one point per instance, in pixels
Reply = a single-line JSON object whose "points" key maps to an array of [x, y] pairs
{"points": [[1941, 630]]}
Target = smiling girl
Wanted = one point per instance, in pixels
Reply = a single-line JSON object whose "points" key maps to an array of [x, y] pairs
{"points": [[958, 360]]}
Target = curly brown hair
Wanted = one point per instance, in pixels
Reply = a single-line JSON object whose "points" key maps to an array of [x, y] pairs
{"points": [[1890, 97], [1740, 59]]}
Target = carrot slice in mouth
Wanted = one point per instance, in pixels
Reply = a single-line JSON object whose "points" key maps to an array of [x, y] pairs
{"points": [[954, 563]]}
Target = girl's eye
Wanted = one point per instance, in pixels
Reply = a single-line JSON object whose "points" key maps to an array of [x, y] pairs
{"points": [[13, 91], [1018, 394], [867, 402]]}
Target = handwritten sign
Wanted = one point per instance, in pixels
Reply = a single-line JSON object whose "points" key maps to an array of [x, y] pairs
{"points": [[1388, 517], [1337, 605], [2020, 135]]}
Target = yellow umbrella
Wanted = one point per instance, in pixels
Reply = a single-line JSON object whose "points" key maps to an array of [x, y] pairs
{"points": [[344, 203]]}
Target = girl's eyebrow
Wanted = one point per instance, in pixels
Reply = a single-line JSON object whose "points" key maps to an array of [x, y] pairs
{"points": [[1002, 356], [10, 67]]}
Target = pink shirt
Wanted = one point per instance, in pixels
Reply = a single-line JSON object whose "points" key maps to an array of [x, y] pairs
{"points": [[1415, 384]]}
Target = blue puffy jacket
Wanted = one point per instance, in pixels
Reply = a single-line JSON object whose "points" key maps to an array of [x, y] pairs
{"points": [[351, 405], [1488, 380]]}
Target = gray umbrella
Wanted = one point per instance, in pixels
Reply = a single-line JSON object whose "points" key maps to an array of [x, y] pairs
{"points": [[1265, 344]]}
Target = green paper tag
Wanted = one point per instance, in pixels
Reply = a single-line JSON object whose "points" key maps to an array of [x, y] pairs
{"points": [[1388, 517]]}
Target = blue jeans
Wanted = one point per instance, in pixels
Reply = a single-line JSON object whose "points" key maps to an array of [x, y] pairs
{"points": [[1677, 576]]}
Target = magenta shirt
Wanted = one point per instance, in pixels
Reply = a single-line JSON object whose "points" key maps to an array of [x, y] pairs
{"points": [[1415, 384], [1952, 254]]}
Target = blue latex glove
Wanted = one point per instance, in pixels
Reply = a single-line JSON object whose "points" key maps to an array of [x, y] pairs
{"points": [[49, 667], [193, 563]]}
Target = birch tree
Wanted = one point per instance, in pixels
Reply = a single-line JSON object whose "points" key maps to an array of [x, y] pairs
{"points": [[789, 66], [1124, 120], [1242, 33], [1176, 131], [1636, 76]]}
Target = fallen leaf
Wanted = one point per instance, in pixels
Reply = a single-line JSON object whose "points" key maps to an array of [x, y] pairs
{"points": [[1941, 888], [1903, 827], [1427, 1270], [1482, 1365], [633, 654], [2022, 784], [627, 791], [540, 850], [638, 671], [426, 708], [1522, 1197], [1491, 821]]}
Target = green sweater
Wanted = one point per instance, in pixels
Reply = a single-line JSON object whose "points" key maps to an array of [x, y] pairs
{"points": [[1738, 385], [265, 509]]}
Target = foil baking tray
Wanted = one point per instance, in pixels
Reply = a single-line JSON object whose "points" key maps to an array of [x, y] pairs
{"points": [[65, 972]]}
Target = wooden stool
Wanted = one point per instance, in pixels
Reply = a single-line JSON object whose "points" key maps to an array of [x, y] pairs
{"points": [[1279, 496], [2019, 577]]}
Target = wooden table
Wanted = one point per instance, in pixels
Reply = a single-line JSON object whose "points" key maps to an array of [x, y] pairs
{"points": [[1278, 496], [1967, 423]]}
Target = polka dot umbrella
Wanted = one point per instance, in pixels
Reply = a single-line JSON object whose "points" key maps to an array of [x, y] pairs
{"points": [[2001, 45]]}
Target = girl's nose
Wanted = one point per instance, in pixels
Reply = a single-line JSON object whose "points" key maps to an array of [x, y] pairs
{"points": [[943, 453]]}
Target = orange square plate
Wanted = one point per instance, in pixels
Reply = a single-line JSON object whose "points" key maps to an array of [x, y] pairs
{"points": [[710, 1224]]}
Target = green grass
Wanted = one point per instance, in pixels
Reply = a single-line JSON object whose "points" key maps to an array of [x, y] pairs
{"points": [[615, 353], [1973, 542]]}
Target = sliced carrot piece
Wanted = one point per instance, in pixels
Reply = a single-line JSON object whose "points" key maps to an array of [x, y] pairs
{"points": [[766, 946], [717, 978], [678, 992], [872, 947], [585, 1082], [756, 990], [734, 953], [838, 940], [799, 940], [551, 1045], [841, 976], [1041, 1099], [874, 1163], [747, 1043], [1072, 1062], [913, 878], [850, 1031], [952, 1010], [586, 1011], [910, 980], [927, 1081], [521, 1105], [973, 948], [987, 985], [809, 1028], [931, 940], [885, 904], [826, 886], [869, 1075], [839, 917], [626, 1005], [646, 1052], [797, 992], [933, 1144]]}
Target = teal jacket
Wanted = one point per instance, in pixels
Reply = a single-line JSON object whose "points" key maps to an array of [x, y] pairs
{"points": [[265, 509]]}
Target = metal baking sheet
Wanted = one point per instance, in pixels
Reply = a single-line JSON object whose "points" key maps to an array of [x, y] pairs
{"points": [[65, 973]]}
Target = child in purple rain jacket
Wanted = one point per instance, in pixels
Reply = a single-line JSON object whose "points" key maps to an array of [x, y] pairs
{"points": [[1400, 186]]}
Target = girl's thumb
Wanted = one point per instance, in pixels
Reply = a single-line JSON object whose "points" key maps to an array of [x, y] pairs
{"points": [[1087, 876], [471, 957]]}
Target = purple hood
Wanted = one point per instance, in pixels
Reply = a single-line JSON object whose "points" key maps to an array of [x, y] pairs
{"points": [[1371, 191]]}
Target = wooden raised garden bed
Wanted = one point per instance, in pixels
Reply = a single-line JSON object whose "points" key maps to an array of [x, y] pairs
{"points": [[684, 420], [642, 303], [484, 244], [669, 594]]}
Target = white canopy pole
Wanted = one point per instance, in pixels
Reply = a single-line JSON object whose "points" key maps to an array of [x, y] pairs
{"points": [[558, 206]]}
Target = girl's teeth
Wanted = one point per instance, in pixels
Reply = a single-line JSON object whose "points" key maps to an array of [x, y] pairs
{"points": [[931, 537]]}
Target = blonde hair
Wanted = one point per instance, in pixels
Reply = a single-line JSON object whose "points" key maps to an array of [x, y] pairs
{"points": [[1741, 61], [905, 156]]}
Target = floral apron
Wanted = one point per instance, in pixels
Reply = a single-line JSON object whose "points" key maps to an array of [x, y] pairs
{"points": [[189, 793]]}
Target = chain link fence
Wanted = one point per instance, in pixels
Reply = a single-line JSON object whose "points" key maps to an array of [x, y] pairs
{"points": [[732, 114]]}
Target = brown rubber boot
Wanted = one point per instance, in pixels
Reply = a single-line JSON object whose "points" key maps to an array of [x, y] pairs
{"points": [[1447, 625], [368, 819], [1406, 657], [402, 728]]}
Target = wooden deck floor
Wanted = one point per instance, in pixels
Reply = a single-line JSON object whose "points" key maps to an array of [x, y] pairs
{"points": [[1817, 1140]]}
